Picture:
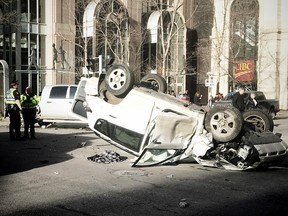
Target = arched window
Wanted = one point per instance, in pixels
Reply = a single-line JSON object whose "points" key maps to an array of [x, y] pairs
{"points": [[176, 56], [163, 50], [107, 30], [244, 42]]}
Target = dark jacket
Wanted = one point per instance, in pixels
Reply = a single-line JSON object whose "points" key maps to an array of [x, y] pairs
{"points": [[250, 104], [238, 101]]}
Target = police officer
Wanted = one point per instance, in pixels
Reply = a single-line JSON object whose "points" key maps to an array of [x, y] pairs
{"points": [[13, 108], [29, 102]]}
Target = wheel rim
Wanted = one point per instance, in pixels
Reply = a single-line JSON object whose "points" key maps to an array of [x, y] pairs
{"points": [[223, 123], [257, 122], [117, 79]]}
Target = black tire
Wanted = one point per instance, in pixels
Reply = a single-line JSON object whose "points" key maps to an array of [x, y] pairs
{"points": [[270, 111], [158, 83], [259, 119], [224, 123], [41, 123], [119, 80], [106, 95]]}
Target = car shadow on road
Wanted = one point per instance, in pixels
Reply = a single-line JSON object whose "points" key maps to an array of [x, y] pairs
{"points": [[49, 148]]}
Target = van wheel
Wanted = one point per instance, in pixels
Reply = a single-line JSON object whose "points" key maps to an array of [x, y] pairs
{"points": [[224, 123], [157, 82], [119, 80], [41, 123], [260, 119]]}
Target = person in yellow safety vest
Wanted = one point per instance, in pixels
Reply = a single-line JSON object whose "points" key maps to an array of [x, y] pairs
{"points": [[13, 109], [29, 102]]}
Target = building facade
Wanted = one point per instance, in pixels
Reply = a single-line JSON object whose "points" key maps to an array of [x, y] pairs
{"points": [[249, 45], [196, 45], [28, 30], [152, 37], [206, 46]]}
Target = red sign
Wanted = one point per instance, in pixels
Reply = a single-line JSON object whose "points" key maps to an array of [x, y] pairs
{"points": [[244, 70]]}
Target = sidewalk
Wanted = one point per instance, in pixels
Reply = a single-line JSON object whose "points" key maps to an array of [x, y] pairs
{"points": [[4, 122]]}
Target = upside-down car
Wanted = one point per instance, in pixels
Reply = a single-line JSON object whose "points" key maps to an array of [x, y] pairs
{"points": [[160, 129]]}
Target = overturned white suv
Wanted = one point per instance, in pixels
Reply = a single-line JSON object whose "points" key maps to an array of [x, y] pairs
{"points": [[160, 129]]}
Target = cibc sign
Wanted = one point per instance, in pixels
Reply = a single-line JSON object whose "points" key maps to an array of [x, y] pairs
{"points": [[244, 70]]}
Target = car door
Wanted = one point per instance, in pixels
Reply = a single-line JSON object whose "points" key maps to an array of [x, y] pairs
{"points": [[78, 109], [58, 104], [133, 112], [51, 102], [168, 137], [70, 97]]}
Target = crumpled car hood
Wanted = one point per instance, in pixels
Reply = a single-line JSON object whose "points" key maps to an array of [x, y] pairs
{"points": [[175, 138]]}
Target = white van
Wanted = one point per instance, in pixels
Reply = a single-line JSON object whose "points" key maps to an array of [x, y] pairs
{"points": [[55, 104]]}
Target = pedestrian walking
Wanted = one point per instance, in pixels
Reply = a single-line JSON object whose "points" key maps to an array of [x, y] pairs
{"points": [[29, 102], [197, 98], [210, 102], [33, 59], [238, 99], [13, 109]]}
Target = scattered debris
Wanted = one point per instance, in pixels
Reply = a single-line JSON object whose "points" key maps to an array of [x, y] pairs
{"points": [[183, 203], [170, 176], [108, 157], [82, 144]]}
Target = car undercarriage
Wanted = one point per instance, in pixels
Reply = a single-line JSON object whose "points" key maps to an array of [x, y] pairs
{"points": [[160, 129]]}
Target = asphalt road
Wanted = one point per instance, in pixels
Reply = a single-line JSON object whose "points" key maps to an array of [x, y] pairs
{"points": [[52, 176]]}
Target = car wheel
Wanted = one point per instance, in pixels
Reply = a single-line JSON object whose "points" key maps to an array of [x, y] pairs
{"points": [[260, 119], [119, 80], [224, 123], [41, 123], [271, 112], [158, 83]]}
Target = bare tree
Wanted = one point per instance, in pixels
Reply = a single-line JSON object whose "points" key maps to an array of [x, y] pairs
{"points": [[7, 18], [238, 36], [171, 28]]}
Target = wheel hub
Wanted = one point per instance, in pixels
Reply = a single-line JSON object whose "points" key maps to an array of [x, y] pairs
{"points": [[222, 123], [117, 79]]}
